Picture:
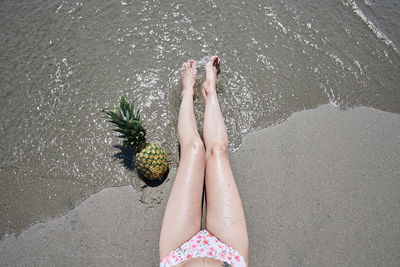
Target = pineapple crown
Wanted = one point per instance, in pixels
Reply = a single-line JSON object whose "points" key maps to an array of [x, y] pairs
{"points": [[128, 124]]}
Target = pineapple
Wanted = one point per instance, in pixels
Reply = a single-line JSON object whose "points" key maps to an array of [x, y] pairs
{"points": [[150, 159]]}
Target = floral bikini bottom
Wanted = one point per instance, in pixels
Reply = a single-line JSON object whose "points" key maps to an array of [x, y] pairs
{"points": [[204, 244]]}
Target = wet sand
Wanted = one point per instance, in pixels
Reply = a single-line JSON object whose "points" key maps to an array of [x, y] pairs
{"points": [[321, 188]]}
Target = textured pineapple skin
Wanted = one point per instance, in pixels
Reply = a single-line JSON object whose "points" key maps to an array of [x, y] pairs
{"points": [[152, 162]]}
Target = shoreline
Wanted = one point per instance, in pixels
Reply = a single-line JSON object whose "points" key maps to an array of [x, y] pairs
{"points": [[322, 186]]}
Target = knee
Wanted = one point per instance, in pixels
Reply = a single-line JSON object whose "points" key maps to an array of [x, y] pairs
{"points": [[194, 146], [219, 149]]}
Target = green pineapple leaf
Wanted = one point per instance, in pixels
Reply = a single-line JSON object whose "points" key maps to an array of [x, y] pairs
{"points": [[127, 123]]}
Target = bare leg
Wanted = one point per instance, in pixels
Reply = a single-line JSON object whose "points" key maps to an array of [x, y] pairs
{"points": [[182, 217], [225, 216]]}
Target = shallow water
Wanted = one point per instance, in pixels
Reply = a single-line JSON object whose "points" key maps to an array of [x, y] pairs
{"points": [[63, 61]]}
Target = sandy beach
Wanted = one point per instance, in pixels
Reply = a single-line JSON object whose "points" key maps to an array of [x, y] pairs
{"points": [[310, 95], [320, 189]]}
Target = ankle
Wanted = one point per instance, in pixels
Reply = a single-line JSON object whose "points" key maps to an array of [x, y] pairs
{"points": [[187, 92], [209, 89]]}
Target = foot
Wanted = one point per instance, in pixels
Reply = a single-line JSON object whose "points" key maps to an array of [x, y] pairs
{"points": [[188, 77], [212, 69]]}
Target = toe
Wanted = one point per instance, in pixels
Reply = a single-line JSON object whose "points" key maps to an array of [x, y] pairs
{"points": [[193, 64], [216, 61]]}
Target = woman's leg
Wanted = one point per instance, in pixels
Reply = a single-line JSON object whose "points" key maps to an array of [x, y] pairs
{"points": [[182, 217], [225, 216]]}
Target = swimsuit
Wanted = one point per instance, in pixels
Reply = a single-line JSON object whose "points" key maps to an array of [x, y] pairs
{"points": [[204, 244]]}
